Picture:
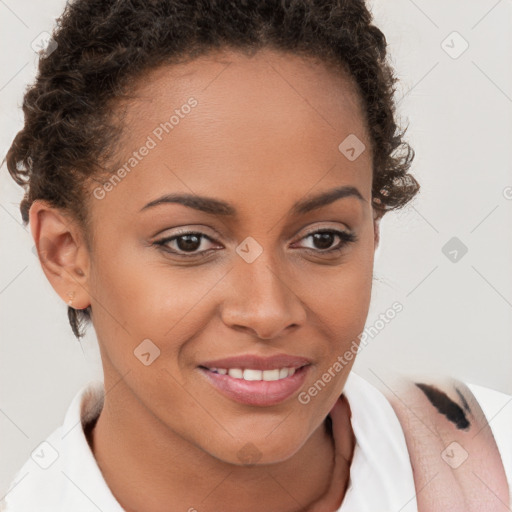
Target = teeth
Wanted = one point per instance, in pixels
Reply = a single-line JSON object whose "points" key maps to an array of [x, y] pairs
{"points": [[271, 374], [251, 374], [236, 373]]}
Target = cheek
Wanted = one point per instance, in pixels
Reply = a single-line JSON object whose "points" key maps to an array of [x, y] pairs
{"points": [[138, 286], [140, 295], [342, 293], [340, 312]]}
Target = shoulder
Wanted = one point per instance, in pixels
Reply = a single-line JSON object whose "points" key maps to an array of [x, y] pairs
{"points": [[456, 435], [38, 481], [61, 472], [497, 408]]}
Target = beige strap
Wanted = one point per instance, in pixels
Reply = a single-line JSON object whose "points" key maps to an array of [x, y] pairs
{"points": [[456, 463]]}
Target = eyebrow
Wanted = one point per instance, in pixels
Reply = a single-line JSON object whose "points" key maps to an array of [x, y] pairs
{"points": [[218, 207]]}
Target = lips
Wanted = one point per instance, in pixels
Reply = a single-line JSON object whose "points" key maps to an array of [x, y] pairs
{"points": [[229, 376]]}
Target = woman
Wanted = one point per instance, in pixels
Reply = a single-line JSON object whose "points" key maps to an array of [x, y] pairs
{"points": [[204, 184]]}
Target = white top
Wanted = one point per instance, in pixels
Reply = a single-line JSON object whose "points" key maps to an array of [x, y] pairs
{"points": [[62, 474]]}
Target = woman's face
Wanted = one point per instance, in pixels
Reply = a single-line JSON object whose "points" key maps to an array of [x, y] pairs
{"points": [[249, 141]]}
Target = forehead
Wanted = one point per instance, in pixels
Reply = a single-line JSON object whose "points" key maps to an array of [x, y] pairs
{"points": [[258, 125], [269, 86]]}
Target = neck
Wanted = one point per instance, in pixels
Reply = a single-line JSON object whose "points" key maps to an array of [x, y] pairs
{"points": [[135, 452]]}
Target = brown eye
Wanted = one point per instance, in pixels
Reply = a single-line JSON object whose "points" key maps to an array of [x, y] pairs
{"points": [[185, 244], [323, 239], [188, 243]]}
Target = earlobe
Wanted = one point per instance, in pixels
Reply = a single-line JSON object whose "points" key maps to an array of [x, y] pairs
{"points": [[62, 253]]}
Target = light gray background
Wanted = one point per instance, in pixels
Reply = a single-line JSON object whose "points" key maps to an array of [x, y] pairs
{"points": [[457, 316]]}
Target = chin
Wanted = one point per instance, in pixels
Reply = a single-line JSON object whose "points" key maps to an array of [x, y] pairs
{"points": [[252, 451]]}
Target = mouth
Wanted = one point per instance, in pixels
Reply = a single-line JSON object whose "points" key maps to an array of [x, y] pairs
{"points": [[254, 386], [256, 362], [252, 374]]}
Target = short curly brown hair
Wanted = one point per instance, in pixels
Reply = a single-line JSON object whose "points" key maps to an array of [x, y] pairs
{"points": [[104, 46]]}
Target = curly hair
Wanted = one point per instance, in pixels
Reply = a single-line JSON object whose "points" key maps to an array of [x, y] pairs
{"points": [[104, 46]]}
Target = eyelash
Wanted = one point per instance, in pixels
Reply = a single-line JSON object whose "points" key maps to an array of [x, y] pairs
{"points": [[346, 238]]}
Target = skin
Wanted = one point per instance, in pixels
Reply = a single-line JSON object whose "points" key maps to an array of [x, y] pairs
{"points": [[265, 134]]}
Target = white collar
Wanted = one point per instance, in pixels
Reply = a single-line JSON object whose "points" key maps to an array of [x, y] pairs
{"points": [[381, 475], [380, 472]]}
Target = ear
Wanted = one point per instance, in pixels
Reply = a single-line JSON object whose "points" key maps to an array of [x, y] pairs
{"points": [[62, 252]]}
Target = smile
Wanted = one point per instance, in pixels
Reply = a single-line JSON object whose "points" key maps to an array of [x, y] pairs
{"points": [[251, 374], [262, 388]]}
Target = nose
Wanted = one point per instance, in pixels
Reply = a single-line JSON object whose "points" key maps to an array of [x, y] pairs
{"points": [[262, 299]]}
